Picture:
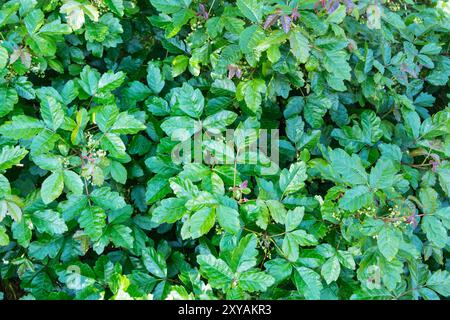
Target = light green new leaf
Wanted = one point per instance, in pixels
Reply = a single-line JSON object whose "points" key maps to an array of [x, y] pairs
{"points": [[179, 65]]}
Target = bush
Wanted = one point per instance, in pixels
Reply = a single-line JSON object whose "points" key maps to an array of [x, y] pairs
{"points": [[322, 129]]}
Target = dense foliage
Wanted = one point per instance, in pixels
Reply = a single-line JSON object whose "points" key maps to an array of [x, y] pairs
{"points": [[95, 96]]}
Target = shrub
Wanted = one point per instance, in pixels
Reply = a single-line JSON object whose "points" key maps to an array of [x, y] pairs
{"points": [[105, 103]]}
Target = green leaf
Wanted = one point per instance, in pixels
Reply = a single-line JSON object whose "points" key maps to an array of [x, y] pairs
{"points": [[93, 221], [157, 188], [382, 176], [22, 232], [435, 230], [118, 172], [110, 81], [228, 218], [331, 269], [116, 6], [303, 238], [244, 256], [191, 101], [299, 45], [73, 182], [180, 128], [443, 172], [349, 168], [52, 187], [52, 112], [217, 272], [8, 98], [219, 121], [106, 116], [431, 49], [290, 247], [252, 281], [154, 262], [4, 239], [112, 143], [126, 124], [346, 259], [107, 199], [121, 236], [292, 180], [49, 221], [251, 92], [388, 242], [179, 65], [155, 79], [440, 282], [169, 211], [21, 127], [338, 15], [277, 211], [356, 198], [293, 218], [3, 57], [201, 222], [170, 6], [251, 9], [13, 210], [315, 109], [308, 283], [44, 142], [89, 79], [11, 156]]}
